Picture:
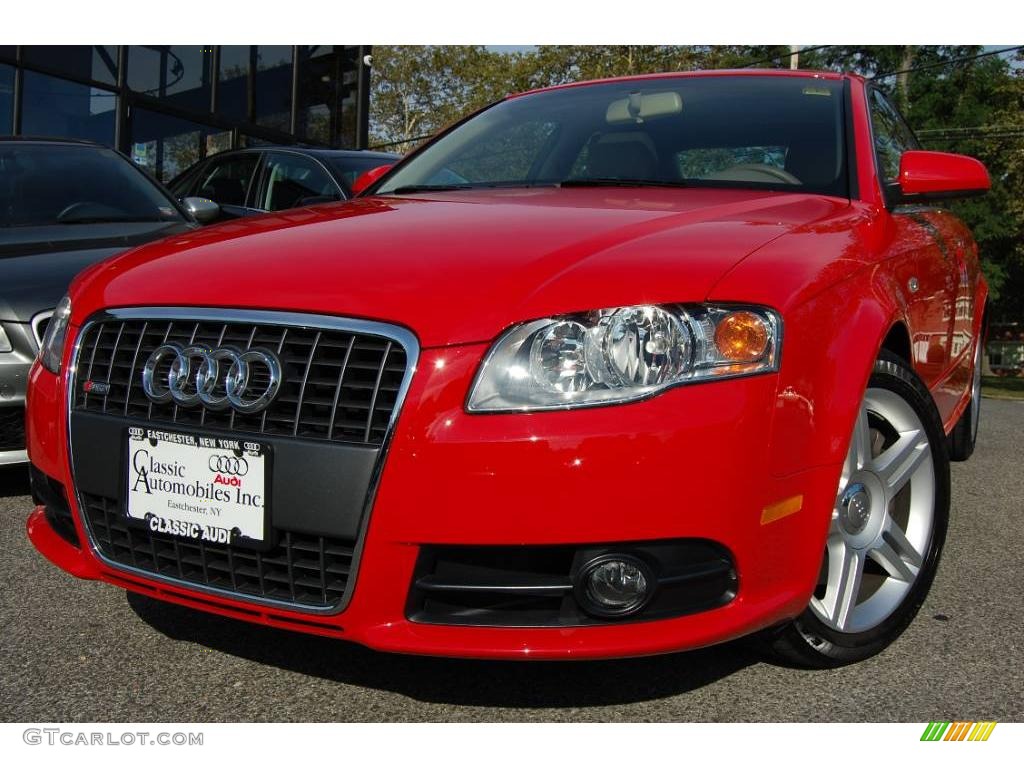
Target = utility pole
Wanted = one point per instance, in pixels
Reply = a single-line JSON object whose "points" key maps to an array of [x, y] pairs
{"points": [[794, 57]]}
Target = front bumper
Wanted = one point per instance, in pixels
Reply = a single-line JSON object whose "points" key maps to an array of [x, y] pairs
{"points": [[691, 463]]}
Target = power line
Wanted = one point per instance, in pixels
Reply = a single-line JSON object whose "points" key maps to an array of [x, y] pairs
{"points": [[786, 56], [950, 62], [973, 128]]}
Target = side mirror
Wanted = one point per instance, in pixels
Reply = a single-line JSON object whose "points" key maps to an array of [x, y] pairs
{"points": [[202, 209], [940, 175], [366, 179]]}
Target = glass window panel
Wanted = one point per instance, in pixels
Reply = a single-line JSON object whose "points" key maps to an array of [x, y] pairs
{"points": [[327, 94], [76, 183], [8, 51], [233, 88], [226, 181], [96, 62], [6, 99], [164, 145], [892, 137], [55, 107], [254, 141], [218, 142], [294, 180], [178, 73], [274, 86]]}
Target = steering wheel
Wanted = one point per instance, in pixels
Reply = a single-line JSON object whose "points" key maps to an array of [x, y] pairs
{"points": [[75, 208], [763, 169]]}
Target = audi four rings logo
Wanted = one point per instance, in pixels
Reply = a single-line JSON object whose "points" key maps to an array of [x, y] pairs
{"points": [[218, 378], [228, 465]]}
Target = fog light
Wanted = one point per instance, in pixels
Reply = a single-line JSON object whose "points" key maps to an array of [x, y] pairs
{"points": [[614, 585]]}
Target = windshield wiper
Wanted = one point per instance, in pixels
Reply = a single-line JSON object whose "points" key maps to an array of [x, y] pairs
{"points": [[621, 183], [471, 185], [408, 189]]}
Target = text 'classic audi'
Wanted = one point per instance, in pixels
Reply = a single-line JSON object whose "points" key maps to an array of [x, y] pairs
{"points": [[607, 369]]}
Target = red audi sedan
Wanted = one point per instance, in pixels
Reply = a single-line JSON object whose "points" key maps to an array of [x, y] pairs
{"points": [[609, 369]]}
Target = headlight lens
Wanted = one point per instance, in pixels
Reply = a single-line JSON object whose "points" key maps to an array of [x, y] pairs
{"points": [[52, 348], [622, 354]]}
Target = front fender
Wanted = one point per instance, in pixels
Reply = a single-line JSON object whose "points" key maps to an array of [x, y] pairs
{"points": [[829, 350]]}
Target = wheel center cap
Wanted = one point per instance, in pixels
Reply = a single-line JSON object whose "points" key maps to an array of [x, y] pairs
{"points": [[855, 508]]}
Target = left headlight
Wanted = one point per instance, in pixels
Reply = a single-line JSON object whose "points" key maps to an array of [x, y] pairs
{"points": [[623, 354], [52, 348]]}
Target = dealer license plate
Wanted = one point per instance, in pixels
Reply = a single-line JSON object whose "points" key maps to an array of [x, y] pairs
{"points": [[208, 489]]}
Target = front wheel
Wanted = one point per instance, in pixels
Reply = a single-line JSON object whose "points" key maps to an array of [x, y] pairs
{"points": [[888, 527]]}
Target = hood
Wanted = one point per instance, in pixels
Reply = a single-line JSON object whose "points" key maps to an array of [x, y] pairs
{"points": [[37, 264], [460, 267]]}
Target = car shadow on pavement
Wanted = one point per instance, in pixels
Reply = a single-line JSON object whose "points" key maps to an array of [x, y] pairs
{"points": [[451, 681], [14, 481]]}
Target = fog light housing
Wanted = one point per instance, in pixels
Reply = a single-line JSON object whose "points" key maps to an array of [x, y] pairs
{"points": [[614, 585]]}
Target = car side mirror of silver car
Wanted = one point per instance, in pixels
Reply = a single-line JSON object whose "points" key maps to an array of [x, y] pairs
{"points": [[202, 209]]}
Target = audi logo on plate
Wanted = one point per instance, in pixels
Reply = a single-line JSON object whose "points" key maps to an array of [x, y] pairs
{"points": [[228, 465], [218, 378]]}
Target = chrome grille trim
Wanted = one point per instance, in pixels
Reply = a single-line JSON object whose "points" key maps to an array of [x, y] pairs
{"points": [[38, 321]]}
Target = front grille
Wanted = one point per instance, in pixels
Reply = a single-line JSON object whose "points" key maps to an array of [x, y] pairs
{"points": [[12, 429], [300, 568], [337, 385]]}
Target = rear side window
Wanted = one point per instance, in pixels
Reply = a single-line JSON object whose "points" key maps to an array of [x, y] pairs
{"points": [[347, 169], [226, 181], [892, 135], [294, 180]]}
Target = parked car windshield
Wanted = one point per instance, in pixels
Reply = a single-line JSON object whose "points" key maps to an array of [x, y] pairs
{"points": [[715, 131], [43, 184]]}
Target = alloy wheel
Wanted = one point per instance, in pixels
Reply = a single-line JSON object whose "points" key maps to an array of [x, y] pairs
{"points": [[883, 517]]}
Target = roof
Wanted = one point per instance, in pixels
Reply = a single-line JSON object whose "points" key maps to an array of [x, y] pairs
{"points": [[320, 152], [809, 73]]}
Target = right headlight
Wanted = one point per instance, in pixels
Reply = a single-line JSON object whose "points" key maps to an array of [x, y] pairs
{"points": [[52, 348], [623, 354]]}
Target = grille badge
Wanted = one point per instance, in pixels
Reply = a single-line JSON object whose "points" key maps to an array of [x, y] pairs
{"points": [[219, 378], [96, 388]]}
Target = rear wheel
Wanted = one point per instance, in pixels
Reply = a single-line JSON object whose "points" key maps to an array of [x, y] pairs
{"points": [[965, 433], [888, 527]]}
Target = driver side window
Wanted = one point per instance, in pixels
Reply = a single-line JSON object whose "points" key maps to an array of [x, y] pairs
{"points": [[892, 137]]}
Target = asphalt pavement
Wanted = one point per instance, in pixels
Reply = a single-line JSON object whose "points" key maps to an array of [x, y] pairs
{"points": [[82, 651]]}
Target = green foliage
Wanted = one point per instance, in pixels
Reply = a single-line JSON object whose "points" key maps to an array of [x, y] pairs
{"points": [[971, 107]]}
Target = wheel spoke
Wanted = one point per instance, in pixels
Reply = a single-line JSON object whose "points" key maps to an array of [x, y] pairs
{"points": [[845, 570], [861, 440], [897, 463], [886, 555]]}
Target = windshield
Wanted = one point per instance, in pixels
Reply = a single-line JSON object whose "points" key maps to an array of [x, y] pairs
{"points": [[717, 131], [43, 184]]}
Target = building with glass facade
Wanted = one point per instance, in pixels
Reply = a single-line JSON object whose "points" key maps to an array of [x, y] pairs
{"points": [[167, 106]]}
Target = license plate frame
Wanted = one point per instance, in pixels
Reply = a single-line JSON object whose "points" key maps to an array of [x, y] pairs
{"points": [[203, 464]]}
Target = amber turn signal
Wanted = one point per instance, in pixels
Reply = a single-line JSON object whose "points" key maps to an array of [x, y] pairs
{"points": [[741, 337]]}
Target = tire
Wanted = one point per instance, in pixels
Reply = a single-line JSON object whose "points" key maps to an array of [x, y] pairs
{"points": [[887, 532], [960, 443]]}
